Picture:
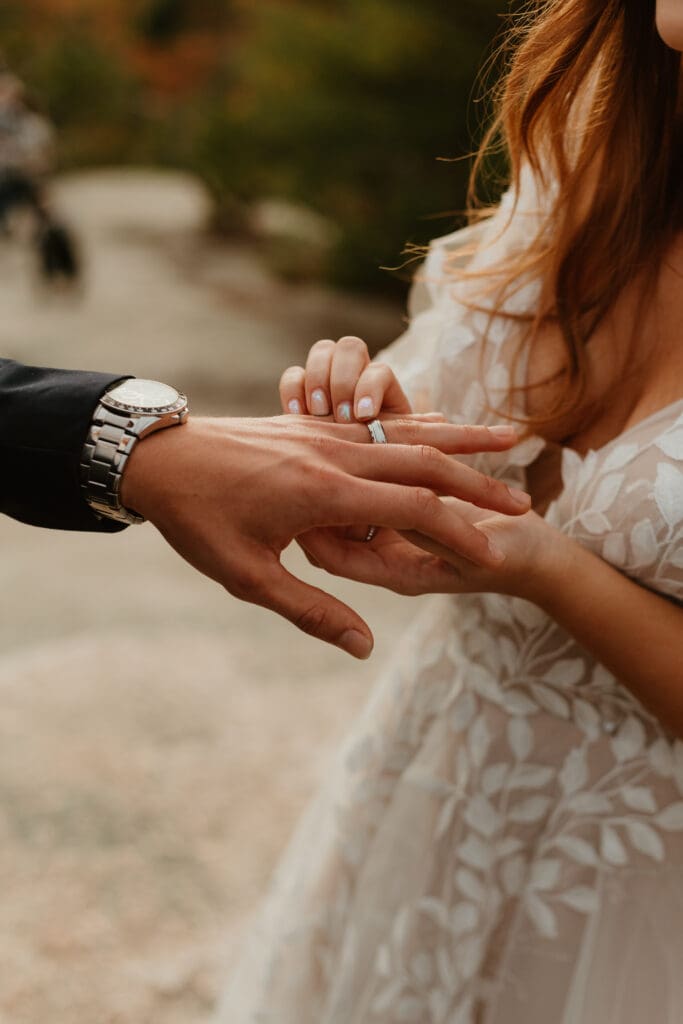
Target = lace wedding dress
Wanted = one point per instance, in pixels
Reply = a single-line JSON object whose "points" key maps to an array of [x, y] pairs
{"points": [[502, 840]]}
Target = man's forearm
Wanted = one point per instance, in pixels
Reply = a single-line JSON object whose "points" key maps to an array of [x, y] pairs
{"points": [[636, 634]]}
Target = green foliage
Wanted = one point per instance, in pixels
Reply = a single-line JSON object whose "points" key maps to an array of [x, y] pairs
{"points": [[346, 106], [90, 95], [161, 20]]}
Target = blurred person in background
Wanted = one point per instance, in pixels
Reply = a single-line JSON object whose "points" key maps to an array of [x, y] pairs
{"points": [[26, 149], [501, 841], [27, 153]]}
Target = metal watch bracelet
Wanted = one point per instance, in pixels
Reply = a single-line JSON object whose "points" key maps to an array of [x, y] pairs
{"points": [[110, 441]]}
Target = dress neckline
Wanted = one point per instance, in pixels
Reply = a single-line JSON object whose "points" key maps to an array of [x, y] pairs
{"points": [[569, 453], [653, 416], [625, 433]]}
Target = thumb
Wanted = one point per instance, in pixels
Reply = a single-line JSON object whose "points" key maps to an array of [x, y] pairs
{"points": [[318, 614]]}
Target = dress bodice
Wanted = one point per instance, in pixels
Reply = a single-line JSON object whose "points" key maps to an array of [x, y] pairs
{"points": [[623, 501]]}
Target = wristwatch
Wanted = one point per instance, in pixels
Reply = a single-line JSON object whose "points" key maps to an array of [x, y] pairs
{"points": [[126, 413]]}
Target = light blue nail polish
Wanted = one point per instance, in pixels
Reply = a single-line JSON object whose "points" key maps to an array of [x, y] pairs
{"points": [[344, 412], [319, 404], [295, 407], [366, 407]]}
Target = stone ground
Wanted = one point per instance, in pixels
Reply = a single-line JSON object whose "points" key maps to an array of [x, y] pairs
{"points": [[157, 738]]}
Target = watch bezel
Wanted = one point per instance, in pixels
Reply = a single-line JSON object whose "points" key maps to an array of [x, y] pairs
{"points": [[144, 410]]}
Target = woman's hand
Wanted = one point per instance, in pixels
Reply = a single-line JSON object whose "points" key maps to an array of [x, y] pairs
{"points": [[537, 558], [340, 381]]}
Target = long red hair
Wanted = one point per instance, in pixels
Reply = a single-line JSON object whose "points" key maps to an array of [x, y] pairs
{"points": [[590, 102]]}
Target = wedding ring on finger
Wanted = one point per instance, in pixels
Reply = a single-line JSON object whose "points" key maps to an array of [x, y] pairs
{"points": [[377, 432], [378, 437]]}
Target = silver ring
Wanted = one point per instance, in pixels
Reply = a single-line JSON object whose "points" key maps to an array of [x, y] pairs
{"points": [[377, 432], [378, 437]]}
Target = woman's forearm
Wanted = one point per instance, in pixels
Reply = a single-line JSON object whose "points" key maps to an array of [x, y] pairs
{"points": [[636, 634]]}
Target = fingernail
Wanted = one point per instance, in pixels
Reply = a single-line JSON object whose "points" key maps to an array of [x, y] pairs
{"points": [[344, 412], [319, 404], [496, 553], [365, 408], [356, 644], [505, 432], [295, 407], [521, 497]]}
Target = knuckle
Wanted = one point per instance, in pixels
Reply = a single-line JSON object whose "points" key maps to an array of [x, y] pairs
{"points": [[291, 379], [242, 582], [382, 371], [499, 492], [487, 485], [326, 480], [324, 446], [313, 620], [324, 345], [430, 457], [292, 375], [403, 585], [320, 477], [351, 343], [426, 502]]}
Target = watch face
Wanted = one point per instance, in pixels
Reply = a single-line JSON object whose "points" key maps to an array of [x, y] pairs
{"points": [[143, 396]]}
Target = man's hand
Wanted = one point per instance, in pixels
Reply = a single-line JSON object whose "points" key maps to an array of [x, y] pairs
{"points": [[231, 494]]}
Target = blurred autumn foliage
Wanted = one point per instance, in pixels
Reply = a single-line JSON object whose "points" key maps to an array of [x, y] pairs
{"points": [[343, 105]]}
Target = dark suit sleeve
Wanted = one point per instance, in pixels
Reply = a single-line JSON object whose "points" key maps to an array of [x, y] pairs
{"points": [[44, 420]]}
